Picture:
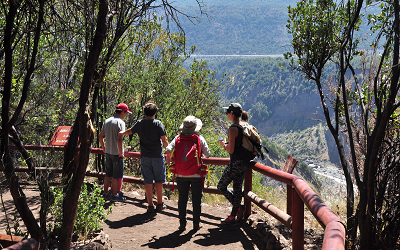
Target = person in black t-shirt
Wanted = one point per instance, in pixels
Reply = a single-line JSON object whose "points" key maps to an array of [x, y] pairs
{"points": [[237, 167], [152, 137]]}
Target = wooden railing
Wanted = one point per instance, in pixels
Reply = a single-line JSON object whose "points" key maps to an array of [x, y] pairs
{"points": [[298, 195]]}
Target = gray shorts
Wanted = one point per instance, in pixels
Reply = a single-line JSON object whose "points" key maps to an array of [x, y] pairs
{"points": [[114, 166], [153, 169]]}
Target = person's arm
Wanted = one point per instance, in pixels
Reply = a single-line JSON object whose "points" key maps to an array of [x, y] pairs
{"points": [[165, 144], [120, 141], [101, 139], [230, 147], [164, 141], [204, 147], [169, 149], [168, 158]]}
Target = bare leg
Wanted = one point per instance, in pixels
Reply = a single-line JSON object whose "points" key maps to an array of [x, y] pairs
{"points": [[120, 184], [149, 194], [114, 186], [159, 189], [106, 184]]}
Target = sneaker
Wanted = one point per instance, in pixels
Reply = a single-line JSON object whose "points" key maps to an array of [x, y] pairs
{"points": [[182, 226], [117, 197], [229, 221], [107, 196], [197, 225], [161, 207], [150, 209], [240, 212]]}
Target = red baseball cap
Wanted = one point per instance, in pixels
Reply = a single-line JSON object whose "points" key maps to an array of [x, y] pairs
{"points": [[123, 107]]}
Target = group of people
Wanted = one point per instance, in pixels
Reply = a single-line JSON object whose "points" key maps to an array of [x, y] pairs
{"points": [[153, 139]]}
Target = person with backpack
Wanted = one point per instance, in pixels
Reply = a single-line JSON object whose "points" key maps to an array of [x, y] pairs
{"points": [[237, 167], [152, 137], [185, 150]]}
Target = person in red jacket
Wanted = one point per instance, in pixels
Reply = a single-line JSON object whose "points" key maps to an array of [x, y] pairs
{"points": [[191, 177]]}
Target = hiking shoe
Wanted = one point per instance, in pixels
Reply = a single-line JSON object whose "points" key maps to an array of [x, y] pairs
{"points": [[197, 225], [150, 209], [229, 221], [117, 197], [161, 207], [182, 226], [240, 212]]}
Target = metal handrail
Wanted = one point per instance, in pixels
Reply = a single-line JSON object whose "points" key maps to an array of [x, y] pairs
{"points": [[335, 230]]}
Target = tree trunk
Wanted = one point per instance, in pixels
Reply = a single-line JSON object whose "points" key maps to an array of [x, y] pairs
{"points": [[6, 164], [76, 173], [367, 234], [342, 155]]}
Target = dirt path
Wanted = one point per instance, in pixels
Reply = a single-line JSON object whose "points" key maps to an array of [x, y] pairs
{"points": [[130, 227]]}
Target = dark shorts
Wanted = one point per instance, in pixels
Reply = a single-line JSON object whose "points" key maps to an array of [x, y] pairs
{"points": [[153, 169], [114, 166]]}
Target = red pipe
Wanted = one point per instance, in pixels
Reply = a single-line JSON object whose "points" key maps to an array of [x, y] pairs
{"points": [[289, 198], [273, 173], [318, 208], [271, 209], [40, 147], [298, 222], [216, 161], [333, 238], [211, 161], [248, 186]]}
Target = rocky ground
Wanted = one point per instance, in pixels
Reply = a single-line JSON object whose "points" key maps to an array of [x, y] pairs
{"points": [[333, 184], [331, 172]]}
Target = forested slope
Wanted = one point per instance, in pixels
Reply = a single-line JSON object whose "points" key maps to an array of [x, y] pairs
{"points": [[277, 98], [241, 27], [244, 28], [281, 103]]}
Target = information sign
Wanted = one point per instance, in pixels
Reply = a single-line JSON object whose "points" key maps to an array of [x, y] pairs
{"points": [[61, 136]]}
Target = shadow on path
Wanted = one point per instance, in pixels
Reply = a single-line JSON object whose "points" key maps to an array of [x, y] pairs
{"points": [[173, 240], [130, 227]]}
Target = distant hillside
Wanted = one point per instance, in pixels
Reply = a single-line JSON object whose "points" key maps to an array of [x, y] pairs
{"points": [[242, 27], [315, 144], [242, 30], [276, 158], [239, 3], [277, 99], [281, 104]]}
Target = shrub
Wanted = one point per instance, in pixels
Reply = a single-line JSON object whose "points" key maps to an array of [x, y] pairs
{"points": [[91, 212], [16, 227]]}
